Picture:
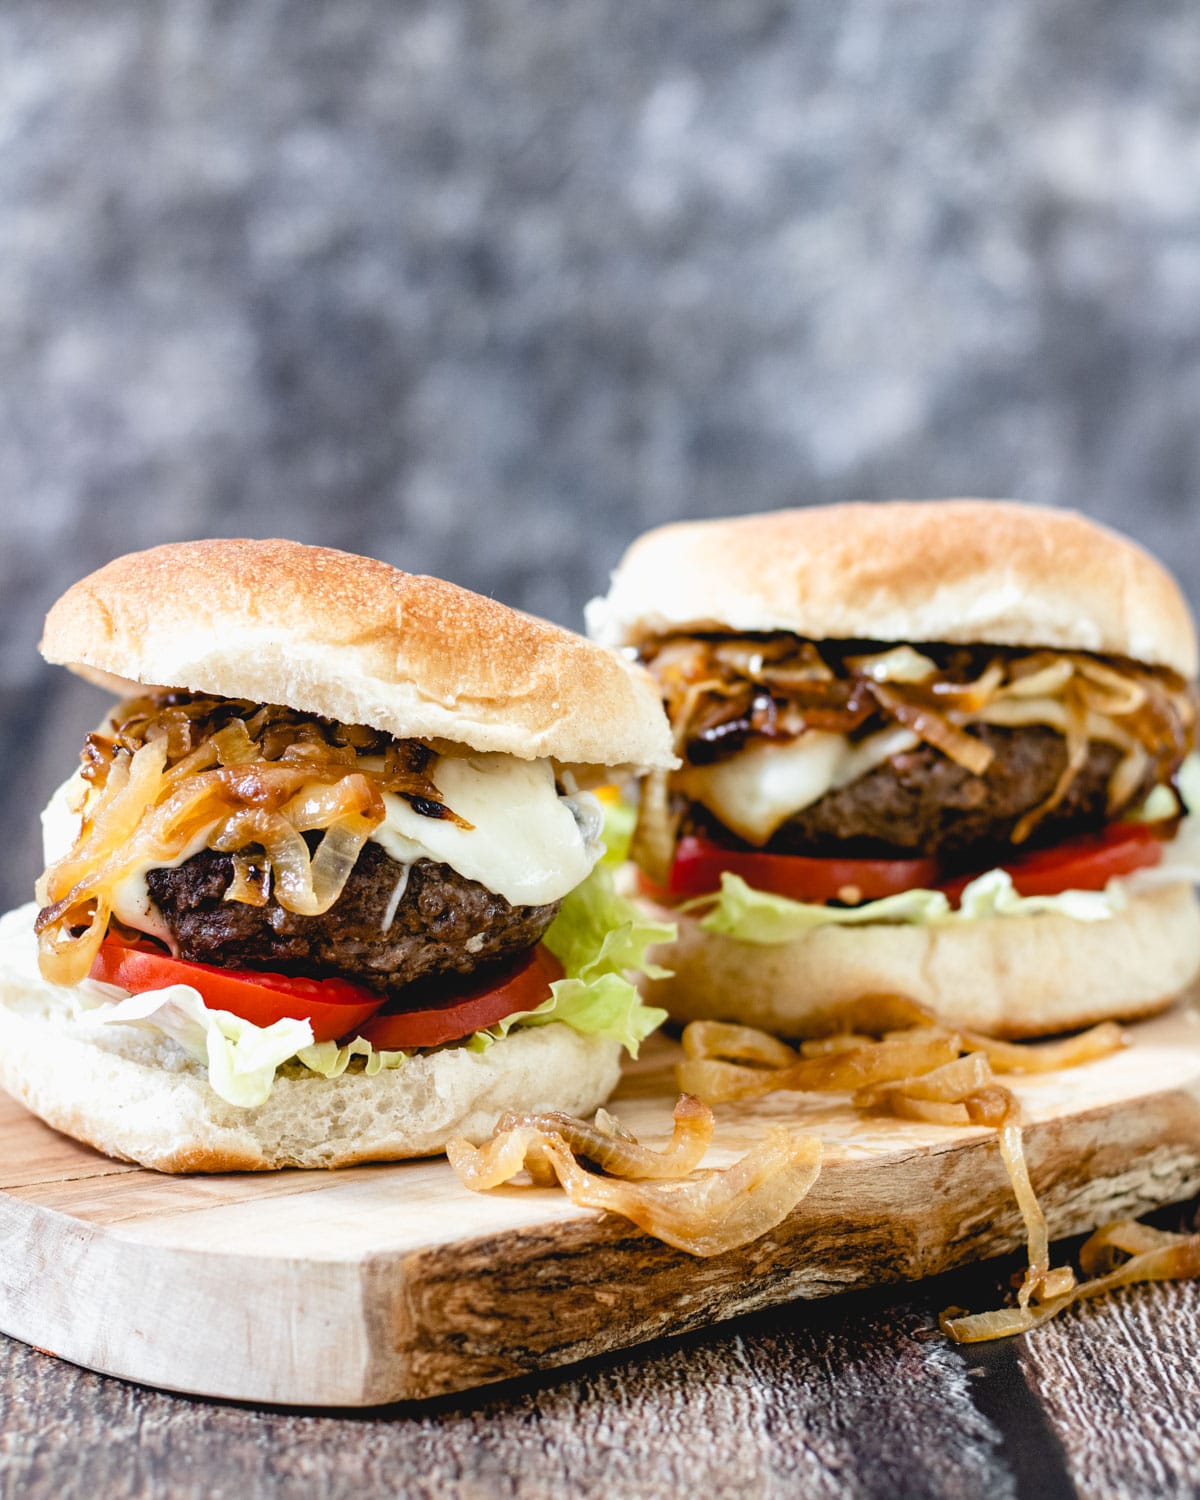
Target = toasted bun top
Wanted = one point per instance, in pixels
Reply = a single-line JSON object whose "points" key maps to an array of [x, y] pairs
{"points": [[355, 640], [962, 571]]}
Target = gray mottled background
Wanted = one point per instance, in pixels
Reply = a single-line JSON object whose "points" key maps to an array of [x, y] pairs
{"points": [[485, 288]]}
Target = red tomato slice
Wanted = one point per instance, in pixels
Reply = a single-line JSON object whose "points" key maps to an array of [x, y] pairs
{"points": [[335, 1007], [522, 989], [699, 864], [1082, 864]]}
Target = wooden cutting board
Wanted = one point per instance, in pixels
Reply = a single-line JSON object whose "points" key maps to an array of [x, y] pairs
{"points": [[384, 1283]]}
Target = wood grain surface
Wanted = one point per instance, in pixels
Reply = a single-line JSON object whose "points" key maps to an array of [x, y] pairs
{"points": [[392, 1282]]}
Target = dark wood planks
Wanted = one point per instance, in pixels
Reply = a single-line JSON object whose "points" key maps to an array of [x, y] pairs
{"points": [[860, 1400], [1120, 1387]]}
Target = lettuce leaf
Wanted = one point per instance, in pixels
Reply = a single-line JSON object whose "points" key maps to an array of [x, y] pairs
{"points": [[599, 938], [241, 1057], [599, 932], [331, 1061], [608, 1006], [620, 819], [758, 917]]}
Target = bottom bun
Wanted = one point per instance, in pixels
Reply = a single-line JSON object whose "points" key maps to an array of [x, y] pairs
{"points": [[136, 1095], [1006, 976]]}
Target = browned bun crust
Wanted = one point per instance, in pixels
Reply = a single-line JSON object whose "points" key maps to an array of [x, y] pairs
{"points": [[1006, 976], [962, 571], [353, 639]]}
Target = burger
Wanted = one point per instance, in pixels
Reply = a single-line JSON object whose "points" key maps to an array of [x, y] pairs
{"points": [[940, 749], [326, 886]]}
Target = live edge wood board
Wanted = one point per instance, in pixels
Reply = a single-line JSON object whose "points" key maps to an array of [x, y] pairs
{"points": [[389, 1283]]}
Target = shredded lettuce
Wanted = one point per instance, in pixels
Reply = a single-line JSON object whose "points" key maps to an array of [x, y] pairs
{"points": [[758, 917], [331, 1061]]}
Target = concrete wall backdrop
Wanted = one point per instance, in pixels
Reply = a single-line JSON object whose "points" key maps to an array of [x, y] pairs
{"points": [[486, 286]]}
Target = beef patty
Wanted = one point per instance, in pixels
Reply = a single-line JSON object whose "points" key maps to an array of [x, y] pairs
{"points": [[444, 924], [922, 803]]}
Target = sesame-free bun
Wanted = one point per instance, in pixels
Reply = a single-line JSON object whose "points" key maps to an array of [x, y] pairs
{"points": [[1020, 976], [134, 1094], [962, 571], [356, 640]]}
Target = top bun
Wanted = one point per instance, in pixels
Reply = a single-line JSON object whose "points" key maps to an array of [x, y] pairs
{"points": [[962, 571], [352, 639]]}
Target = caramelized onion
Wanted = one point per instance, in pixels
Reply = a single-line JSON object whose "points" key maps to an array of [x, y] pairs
{"points": [[1165, 1257], [710, 1212], [948, 1085], [230, 775], [873, 1013], [836, 1072], [497, 1161], [1047, 1057], [936, 730], [705, 1213], [1077, 753], [620, 1155], [841, 1041], [1110, 691], [900, 664], [653, 843], [1039, 676], [727, 692], [736, 1044], [250, 883]]}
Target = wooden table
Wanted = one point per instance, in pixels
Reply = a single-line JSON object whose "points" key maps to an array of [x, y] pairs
{"points": [[854, 1396]]}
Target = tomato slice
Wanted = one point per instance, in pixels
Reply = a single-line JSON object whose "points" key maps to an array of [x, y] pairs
{"points": [[1082, 864], [521, 989], [699, 864], [335, 1007]]}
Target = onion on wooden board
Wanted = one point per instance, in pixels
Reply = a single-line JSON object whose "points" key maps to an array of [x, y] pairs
{"points": [[701, 1212], [959, 1090]]}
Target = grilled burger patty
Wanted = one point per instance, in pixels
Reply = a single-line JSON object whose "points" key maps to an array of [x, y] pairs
{"points": [[922, 803], [443, 924]]}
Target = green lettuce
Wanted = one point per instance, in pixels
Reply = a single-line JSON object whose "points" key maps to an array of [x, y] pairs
{"points": [[599, 938], [331, 1061], [620, 819], [241, 1058], [758, 917]]}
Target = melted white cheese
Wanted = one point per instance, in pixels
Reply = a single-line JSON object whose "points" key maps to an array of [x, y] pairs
{"points": [[527, 844], [757, 790]]}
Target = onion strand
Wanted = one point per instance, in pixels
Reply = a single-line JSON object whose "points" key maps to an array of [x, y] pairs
{"points": [[241, 778]]}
